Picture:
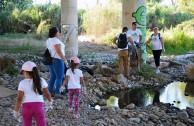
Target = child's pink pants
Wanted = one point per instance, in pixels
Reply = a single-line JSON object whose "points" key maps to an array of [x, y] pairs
{"points": [[74, 95], [33, 109]]}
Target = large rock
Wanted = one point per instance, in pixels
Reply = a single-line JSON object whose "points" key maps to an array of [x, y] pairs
{"points": [[136, 120], [122, 79], [190, 72], [180, 124], [106, 71], [182, 115]]}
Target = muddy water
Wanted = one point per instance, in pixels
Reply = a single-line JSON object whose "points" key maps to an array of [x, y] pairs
{"points": [[179, 94]]}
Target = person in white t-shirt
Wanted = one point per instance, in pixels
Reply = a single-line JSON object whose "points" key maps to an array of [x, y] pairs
{"points": [[135, 33], [57, 68], [30, 95], [74, 78], [123, 52], [157, 47], [137, 37]]}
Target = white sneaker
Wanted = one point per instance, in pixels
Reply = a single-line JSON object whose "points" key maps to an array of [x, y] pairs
{"points": [[157, 71]]}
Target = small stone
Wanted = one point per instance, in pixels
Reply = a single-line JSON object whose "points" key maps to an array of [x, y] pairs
{"points": [[122, 79], [190, 112], [153, 117], [136, 120], [124, 112], [5, 103], [103, 102], [133, 78], [130, 106], [189, 121], [180, 124], [111, 109], [141, 116], [112, 121], [156, 108]]}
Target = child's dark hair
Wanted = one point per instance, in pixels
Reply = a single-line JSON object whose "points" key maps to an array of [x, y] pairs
{"points": [[53, 31], [36, 80], [124, 29], [73, 65]]}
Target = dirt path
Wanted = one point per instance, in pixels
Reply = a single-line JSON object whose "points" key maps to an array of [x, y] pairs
{"points": [[94, 47]]}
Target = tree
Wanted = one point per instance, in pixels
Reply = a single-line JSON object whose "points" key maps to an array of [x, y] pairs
{"points": [[186, 5]]}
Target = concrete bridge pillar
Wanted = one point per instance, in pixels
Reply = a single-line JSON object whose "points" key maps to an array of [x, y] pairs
{"points": [[135, 11], [69, 28]]}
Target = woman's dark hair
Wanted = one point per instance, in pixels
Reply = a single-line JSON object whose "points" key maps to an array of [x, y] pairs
{"points": [[36, 80], [53, 31], [73, 65]]}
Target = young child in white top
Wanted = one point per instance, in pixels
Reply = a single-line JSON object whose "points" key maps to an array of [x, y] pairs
{"points": [[30, 95], [74, 78]]}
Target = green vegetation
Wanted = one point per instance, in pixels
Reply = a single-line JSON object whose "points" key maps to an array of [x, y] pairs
{"points": [[7, 65], [21, 43], [146, 71], [175, 23], [176, 41]]}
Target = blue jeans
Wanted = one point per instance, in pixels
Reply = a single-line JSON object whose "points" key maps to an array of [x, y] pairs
{"points": [[56, 75]]}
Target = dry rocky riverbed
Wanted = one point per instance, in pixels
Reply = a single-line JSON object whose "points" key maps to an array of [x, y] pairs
{"points": [[104, 81]]}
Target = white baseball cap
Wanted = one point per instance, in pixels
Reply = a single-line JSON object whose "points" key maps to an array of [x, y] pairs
{"points": [[28, 66]]}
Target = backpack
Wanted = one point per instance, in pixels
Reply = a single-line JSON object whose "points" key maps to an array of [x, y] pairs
{"points": [[158, 35], [47, 59], [122, 41]]}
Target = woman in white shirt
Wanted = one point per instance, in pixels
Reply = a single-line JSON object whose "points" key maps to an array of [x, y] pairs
{"points": [[30, 95], [57, 50], [157, 47]]}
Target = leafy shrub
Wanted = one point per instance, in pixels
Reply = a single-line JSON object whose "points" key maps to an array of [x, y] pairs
{"points": [[7, 65], [106, 18], [12, 70], [146, 71], [107, 39], [164, 16], [176, 41], [186, 25], [44, 27]]}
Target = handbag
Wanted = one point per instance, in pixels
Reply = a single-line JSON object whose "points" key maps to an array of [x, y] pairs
{"points": [[47, 59]]}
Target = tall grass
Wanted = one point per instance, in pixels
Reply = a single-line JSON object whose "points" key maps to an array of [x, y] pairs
{"points": [[21, 43]]}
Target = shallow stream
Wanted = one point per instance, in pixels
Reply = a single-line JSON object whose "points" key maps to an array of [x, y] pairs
{"points": [[178, 94]]}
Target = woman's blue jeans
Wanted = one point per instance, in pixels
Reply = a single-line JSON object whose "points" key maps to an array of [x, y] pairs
{"points": [[56, 75]]}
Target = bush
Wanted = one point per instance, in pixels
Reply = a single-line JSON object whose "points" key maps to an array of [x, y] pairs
{"points": [[7, 65], [98, 24], [176, 41], [107, 39], [43, 28], [146, 71], [12, 70], [186, 25], [165, 17]]}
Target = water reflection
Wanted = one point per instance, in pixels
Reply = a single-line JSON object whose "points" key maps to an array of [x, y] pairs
{"points": [[178, 93], [174, 93]]}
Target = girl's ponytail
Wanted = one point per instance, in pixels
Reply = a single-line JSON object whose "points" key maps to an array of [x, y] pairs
{"points": [[36, 81], [73, 66]]}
